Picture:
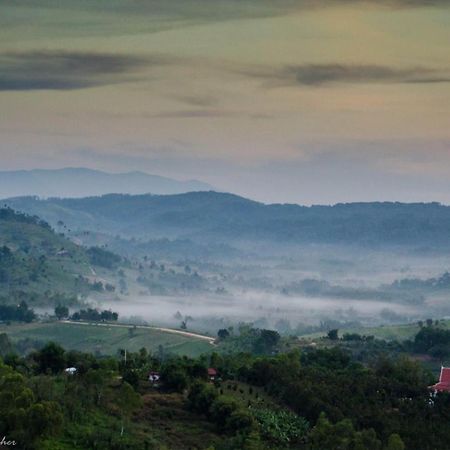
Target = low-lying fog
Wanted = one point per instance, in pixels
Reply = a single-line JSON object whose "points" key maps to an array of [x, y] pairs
{"points": [[264, 310]]}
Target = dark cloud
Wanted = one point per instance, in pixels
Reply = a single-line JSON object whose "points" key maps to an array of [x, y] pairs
{"points": [[316, 74], [63, 70], [321, 74], [197, 100], [192, 113]]}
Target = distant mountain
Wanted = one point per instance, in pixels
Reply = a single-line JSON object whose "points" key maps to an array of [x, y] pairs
{"points": [[211, 217], [79, 182]]}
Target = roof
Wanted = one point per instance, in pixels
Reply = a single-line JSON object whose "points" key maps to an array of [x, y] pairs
{"points": [[212, 371], [444, 381], [445, 375]]}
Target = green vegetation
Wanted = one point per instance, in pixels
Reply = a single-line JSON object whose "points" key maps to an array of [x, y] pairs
{"points": [[386, 332], [106, 339], [20, 313], [45, 268], [315, 400], [249, 339], [34, 259], [281, 427], [433, 340], [93, 315]]}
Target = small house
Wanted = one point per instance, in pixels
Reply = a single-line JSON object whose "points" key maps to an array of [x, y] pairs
{"points": [[154, 378], [444, 381], [70, 370]]}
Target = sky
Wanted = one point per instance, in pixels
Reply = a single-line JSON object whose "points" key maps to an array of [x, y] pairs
{"points": [[299, 101]]}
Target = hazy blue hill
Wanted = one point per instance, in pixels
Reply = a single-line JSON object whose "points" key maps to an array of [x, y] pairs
{"points": [[80, 182], [221, 217]]}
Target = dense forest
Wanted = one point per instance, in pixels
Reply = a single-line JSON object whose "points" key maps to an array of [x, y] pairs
{"points": [[313, 399]]}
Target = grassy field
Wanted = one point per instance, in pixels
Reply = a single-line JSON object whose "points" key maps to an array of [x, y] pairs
{"points": [[107, 339]]}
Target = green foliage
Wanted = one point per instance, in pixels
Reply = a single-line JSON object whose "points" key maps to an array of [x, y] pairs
{"points": [[223, 333], [201, 396], [61, 311], [221, 410], [433, 340], [281, 427], [341, 436], [333, 335], [43, 265], [94, 315], [253, 340], [6, 346], [50, 358], [395, 443], [266, 342], [103, 258], [22, 416], [349, 406], [20, 313], [174, 378]]}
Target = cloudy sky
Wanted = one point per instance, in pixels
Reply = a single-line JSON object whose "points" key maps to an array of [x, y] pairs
{"points": [[306, 101]]}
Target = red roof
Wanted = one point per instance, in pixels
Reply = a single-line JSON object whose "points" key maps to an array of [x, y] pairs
{"points": [[445, 375], [444, 381], [212, 372]]}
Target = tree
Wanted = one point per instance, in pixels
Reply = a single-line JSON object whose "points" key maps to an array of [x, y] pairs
{"points": [[341, 436], [221, 411], [333, 334], [61, 312], [241, 421], [50, 358], [223, 334], [201, 397], [128, 400], [395, 443], [22, 417], [174, 378], [266, 342], [6, 346], [131, 377]]}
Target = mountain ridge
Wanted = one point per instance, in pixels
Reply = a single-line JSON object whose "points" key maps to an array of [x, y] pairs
{"points": [[79, 182], [223, 218]]}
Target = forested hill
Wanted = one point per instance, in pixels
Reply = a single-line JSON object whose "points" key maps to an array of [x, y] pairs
{"points": [[36, 263], [222, 217]]}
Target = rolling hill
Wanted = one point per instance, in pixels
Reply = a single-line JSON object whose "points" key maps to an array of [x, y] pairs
{"points": [[225, 218], [39, 264]]}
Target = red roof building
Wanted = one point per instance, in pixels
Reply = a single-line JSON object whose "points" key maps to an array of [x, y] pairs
{"points": [[444, 381]]}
